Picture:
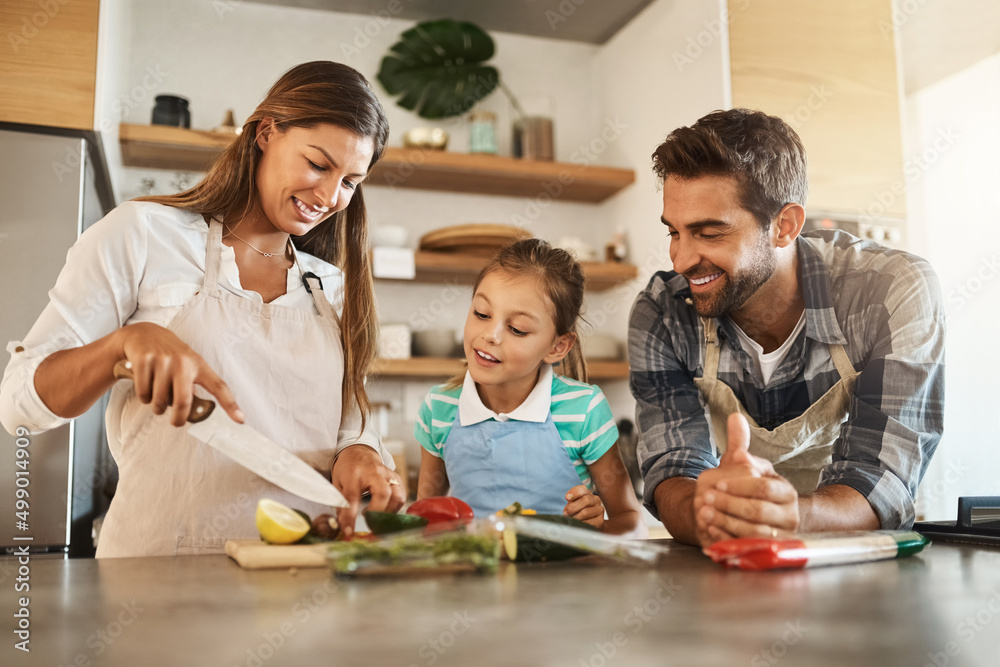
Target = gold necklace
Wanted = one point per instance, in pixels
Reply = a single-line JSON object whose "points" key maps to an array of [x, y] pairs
{"points": [[253, 247]]}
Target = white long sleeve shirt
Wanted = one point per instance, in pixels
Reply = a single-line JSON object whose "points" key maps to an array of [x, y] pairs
{"points": [[143, 262]]}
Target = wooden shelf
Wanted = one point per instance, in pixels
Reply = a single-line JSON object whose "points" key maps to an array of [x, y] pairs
{"points": [[427, 367], [164, 147], [496, 175], [458, 268]]}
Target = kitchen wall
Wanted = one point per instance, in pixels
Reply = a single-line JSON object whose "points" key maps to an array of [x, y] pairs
{"points": [[612, 105], [952, 172]]}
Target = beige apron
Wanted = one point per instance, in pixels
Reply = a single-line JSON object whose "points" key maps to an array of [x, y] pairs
{"points": [[800, 448], [285, 366]]}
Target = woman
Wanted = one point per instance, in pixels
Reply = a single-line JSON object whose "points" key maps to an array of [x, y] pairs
{"points": [[206, 288]]}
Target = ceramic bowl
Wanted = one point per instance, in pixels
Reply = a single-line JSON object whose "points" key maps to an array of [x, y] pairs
{"points": [[434, 138], [435, 343]]}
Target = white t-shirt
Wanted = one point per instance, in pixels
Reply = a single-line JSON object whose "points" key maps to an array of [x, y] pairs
{"points": [[765, 364], [141, 263]]}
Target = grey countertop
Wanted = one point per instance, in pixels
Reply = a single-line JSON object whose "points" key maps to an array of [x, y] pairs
{"points": [[940, 607]]}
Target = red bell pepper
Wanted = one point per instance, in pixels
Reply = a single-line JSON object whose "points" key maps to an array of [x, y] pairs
{"points": [[441, 509]]}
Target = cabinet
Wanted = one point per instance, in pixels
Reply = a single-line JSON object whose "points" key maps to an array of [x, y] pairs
{"points": [[48, 73], [177, 148], [830, 71]]}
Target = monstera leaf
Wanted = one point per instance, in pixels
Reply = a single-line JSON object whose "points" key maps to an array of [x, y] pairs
{"points": [[437, 68]]}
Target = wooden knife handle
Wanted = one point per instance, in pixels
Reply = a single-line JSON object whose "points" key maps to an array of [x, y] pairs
{"points": [[201, 408]]}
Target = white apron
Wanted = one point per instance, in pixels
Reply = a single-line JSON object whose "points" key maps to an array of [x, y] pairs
{"points": [[285, 367], [800, 448]]}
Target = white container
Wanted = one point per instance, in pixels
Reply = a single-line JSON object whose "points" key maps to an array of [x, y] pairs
{"points": [[389, 236], [394, 341]]}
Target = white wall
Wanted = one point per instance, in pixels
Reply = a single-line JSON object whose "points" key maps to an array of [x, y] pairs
{"points": [[668, 67], [612, 105], [953, 172]]}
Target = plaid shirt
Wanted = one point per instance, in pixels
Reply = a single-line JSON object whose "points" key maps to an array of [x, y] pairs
{"points": [[884, 306]]}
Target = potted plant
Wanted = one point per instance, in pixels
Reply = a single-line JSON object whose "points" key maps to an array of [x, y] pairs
{"points": [[439, 70]]}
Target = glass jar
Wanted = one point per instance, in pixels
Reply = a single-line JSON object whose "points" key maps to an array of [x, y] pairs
{"points": [[483, 132]]}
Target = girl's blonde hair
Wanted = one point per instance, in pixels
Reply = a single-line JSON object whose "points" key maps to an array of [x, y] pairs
{"points": [[305, 96], [561, 278]]}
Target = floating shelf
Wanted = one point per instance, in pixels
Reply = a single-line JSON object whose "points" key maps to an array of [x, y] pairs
{"points": [[164, 147], [437, 267], [496, 175], [427, 367]]}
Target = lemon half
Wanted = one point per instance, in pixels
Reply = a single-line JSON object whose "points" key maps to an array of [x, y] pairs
{"points": [[279, 524]]}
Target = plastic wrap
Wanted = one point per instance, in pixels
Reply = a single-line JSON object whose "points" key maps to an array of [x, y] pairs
{"points": [[460, 547], [815, 549]]}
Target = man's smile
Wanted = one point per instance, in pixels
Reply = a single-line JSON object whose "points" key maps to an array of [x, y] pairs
{"points": [[704, 280]]}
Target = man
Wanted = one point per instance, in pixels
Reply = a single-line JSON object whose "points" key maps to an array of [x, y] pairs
{"points": [[813, 362]]}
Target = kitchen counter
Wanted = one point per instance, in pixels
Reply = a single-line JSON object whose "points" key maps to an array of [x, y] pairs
{"points": [[939, 607]]}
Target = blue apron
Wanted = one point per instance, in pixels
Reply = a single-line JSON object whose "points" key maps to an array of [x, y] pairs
{"points": [[495, 463]]}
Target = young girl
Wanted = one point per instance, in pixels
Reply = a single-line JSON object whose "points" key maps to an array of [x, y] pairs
{"points": [[208, 288], [513, 430]]}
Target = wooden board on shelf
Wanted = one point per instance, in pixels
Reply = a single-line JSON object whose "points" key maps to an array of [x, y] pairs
{"points": [[461, 268], [177, 148], [427, 367]]}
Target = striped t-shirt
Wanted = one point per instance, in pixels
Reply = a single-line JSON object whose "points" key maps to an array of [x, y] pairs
{"points": [[580, 412]]}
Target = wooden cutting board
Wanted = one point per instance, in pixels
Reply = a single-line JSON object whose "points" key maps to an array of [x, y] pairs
{"points": [[258, 555], [483, 238]]}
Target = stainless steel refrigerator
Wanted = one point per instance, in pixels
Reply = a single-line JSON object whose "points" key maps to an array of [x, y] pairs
{"points": [[53, 184]]}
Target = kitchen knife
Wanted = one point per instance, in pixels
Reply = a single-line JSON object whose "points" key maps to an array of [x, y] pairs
{"points": [[611, 546], [253, 451]]}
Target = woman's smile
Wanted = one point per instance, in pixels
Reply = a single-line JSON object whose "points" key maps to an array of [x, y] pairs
{"points": [[309, 213]]}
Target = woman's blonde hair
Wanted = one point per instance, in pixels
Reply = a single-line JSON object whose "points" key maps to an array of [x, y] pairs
{"points": [[562, 281], [305, 96]]}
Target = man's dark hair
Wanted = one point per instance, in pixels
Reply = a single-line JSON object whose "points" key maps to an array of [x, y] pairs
{"points": [[761, 152]]}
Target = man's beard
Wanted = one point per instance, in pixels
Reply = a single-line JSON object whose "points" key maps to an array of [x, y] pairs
{"points": [[737, 288]]}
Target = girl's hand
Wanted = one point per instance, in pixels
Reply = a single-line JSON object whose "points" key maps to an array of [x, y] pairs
{"points": [[165, 370], [584, 506]]}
